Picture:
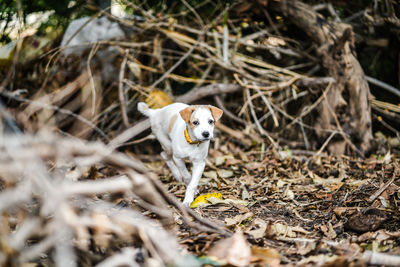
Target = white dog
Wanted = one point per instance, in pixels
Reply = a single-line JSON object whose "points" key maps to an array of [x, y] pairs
{"points": [[184, 133]]}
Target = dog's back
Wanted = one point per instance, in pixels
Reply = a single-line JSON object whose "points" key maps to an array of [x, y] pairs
{"points": [[166, 112], [163, 119]]}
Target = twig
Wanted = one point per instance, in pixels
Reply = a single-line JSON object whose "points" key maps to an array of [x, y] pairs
{"points": [[306, 142], [220, 104], [235, 134], [134, 142], [109, 185], [342, 133], [385, 105], [52, 107], [204, 76], [260, 128], [208, 90], [199, 19], [266, 101], [385, 124], [266, 88], [328, 7], [308, 82], [383, 188], [286, 101], [121, 92], [129, 133], [174, 66], [325, 143], [91, 80], [225, 44], [378, 258], [388, 114], [253, 113], [218, 48], [308, 109]]}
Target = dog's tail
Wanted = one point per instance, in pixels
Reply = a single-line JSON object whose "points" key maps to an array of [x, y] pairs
{"points": [[144, 109]]}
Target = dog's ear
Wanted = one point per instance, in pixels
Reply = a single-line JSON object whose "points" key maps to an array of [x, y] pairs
{"points": [[216, 112], [186, 114]]}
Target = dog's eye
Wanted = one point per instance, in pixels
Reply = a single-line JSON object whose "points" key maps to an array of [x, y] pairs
{"points": [[196, 123], [210, 121]]}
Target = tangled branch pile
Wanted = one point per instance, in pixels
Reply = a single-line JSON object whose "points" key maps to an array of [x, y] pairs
{"points": [[81, 202], [261, 74]]}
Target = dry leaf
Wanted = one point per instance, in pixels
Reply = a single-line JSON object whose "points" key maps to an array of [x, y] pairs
{"points": [[134, 68], [238, 219], [368, 220], [257, 228], [266, 256], [158, 99], [289, 194], [225, 173], [328, 231], [234, 250], [280, 229], [220, 160], [305, 247], [245, 194], [324, 181], [227, 201], [211, 174]]}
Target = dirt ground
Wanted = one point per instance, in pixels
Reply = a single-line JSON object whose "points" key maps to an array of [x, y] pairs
{"points": [[299, 209]]}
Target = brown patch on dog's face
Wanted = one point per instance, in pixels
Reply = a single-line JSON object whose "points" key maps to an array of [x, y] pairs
{"points": [[193, 122], [216, 112], [186, 114]]}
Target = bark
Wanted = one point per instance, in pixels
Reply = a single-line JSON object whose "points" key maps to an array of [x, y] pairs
{"points": [[335, 43]]}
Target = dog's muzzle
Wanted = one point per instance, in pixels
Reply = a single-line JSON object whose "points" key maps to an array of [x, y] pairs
{"points": [[205, 134]]}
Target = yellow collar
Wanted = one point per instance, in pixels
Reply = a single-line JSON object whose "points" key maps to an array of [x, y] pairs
{"points": [[189, 140]]}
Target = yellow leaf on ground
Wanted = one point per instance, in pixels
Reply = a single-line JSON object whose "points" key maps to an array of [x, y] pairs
{"points": [[204, 199]]}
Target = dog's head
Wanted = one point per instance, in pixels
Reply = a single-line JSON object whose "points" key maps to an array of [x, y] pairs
{"points": [[201, 120]]}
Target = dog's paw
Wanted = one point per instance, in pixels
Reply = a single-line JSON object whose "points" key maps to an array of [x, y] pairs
{"points": [[187, 201], [186, 204]]}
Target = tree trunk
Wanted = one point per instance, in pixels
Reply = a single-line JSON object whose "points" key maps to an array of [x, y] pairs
{"points": [[335, 43]]}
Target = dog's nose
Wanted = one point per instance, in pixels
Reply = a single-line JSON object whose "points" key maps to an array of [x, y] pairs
{"points": [[205, 134]]}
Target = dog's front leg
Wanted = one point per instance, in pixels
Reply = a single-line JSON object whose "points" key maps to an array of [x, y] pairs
{"points": [[198, 168], [174, 169], [180, 163]]}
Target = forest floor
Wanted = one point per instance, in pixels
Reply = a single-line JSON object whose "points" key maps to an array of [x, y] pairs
{"points": [[295, 209]]}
